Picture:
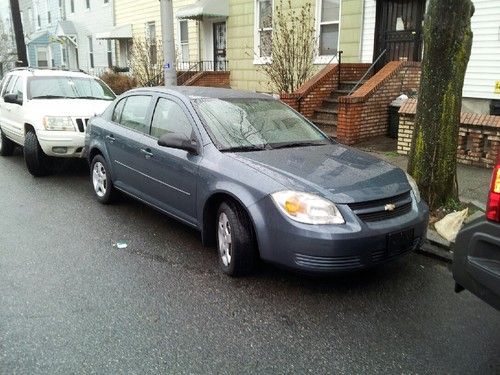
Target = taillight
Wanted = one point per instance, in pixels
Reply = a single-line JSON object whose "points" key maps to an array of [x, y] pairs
{"points": [[493, 210]]}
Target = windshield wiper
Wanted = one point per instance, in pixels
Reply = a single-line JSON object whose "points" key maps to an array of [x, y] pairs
{"points": [[49, 97], [244, 148], [298, 144], [92, 98]]}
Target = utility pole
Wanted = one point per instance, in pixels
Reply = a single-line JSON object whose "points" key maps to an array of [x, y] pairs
{"points": [[22, 59], [167, 34]]}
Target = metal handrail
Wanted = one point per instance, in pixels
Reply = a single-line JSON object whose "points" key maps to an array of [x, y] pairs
{"points": [[191, 68], [368, 71]]}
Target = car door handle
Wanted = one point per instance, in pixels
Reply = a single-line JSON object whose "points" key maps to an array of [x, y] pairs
{"points": [[110, 138], [147, 153]]}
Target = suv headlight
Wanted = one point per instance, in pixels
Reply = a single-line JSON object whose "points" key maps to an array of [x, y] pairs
{"points": [[58, 123], [414, 187], [307, 208]]}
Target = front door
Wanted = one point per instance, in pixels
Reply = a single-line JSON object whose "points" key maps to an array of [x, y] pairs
{"points": [[220, 46], [398, 30]]}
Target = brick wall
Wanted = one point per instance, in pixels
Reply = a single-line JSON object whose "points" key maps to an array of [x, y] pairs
{"points": [[364, 114], [311, 94], [478, 139], [209, 79]]}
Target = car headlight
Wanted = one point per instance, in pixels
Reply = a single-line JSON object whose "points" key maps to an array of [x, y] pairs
{"points": [[58, 123], [414, 188], [307, 208]]}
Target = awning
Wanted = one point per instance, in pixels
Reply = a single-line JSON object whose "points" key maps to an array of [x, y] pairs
{"points": [[204, 9], [65, 28], [118, 32]]}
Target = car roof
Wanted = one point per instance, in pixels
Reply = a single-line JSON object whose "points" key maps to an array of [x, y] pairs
{"points": [[198, 92], [48, 73]]}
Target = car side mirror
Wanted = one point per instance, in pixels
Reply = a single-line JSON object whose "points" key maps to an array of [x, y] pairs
{"points": [[12, 98], [178, 142]]}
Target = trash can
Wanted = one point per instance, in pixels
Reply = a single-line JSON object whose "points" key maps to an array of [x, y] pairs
{"points": [[393, 128]]}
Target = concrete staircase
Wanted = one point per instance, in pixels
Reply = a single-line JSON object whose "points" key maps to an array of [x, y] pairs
{"points": [[326, 116]]}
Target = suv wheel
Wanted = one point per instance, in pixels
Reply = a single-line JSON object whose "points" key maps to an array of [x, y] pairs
{"points": [[6, 145], [36, 160], [235, 240], [101, 180]]}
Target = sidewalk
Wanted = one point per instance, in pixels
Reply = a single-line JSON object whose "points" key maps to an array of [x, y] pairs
{"points": [[473, 184]]}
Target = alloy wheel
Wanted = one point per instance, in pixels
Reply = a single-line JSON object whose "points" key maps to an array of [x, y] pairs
{"points": [[99, 179], [225, 239]]}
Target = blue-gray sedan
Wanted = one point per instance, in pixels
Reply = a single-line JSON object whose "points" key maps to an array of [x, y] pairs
{"points": [[256, 178]]}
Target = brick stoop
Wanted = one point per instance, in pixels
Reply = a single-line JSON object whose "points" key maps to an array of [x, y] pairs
{"points": [[209, 79], [326, 116]]}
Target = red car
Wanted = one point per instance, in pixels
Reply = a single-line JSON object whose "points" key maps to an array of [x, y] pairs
{"points": [[476, 263]]}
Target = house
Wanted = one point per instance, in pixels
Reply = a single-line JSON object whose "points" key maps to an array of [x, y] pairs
{"points": [[80, 30], [40, 19]]}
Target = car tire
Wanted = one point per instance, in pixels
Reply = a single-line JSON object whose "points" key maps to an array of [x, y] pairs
{"points": [[36, 160], [6, 145], [100, 179], [236, 246]]}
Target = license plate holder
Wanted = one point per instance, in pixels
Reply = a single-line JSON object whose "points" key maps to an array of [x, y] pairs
{"points": [[400, 241]]}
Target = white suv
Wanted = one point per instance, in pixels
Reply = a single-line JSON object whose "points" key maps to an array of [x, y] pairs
{"points": [[46, 112]]}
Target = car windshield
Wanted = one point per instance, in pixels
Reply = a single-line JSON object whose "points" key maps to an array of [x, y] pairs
{"points": [[256, 124], [60, 87]]}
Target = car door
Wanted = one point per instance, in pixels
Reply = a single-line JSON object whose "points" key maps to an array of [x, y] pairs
{"points": [[172, 173], [124, 138], [11, 112]]}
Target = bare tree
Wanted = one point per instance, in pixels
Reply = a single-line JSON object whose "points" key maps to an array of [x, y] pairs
{"points": [[293, 46], [7, 53], [146, 61]]}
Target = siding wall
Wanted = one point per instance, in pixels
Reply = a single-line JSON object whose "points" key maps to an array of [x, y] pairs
{"points": [[88, 22], [368, 37], [484, 65], [350, 29]]}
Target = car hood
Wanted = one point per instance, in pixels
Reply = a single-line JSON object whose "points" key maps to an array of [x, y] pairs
{"points": [[336, 172], [67, 107]]}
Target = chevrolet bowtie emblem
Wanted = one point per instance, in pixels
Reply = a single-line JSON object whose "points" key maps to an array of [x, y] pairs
{"points": [[390, 207]]}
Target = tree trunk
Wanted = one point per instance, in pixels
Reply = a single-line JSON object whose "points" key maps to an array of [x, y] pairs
{"points": [[447, 47]]}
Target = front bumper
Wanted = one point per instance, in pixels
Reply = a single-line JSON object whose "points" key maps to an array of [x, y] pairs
{"points": [[62, 143], [326, 249]]}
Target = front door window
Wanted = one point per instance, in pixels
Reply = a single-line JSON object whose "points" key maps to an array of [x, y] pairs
{"points": [[220, 46]]}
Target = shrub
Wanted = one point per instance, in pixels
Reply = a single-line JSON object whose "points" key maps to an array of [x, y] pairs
{"points": [[119, 83]]}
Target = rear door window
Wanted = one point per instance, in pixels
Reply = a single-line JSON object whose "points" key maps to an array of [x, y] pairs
{"points": [[135, 113]]}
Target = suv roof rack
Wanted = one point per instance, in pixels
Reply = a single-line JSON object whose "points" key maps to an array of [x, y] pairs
{"points": [[32, 69]]}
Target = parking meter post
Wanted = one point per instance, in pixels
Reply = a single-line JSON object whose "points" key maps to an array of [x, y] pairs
{"points": [[167, 31]]}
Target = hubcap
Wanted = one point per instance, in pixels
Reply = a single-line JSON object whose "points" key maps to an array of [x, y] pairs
{"points": [[225, 240], [99, 179]]}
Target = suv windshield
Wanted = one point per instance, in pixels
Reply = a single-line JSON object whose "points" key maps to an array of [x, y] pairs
{"points": [[256, 124], [58, 87]]}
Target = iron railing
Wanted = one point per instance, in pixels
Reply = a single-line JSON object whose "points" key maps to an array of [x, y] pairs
{"points": [[368, 71]]}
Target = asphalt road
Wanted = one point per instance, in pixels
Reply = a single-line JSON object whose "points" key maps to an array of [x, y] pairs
{"points": [[71, 302]]}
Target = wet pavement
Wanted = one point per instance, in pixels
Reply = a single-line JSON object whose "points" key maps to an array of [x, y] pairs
{"points": [[72, 302]]}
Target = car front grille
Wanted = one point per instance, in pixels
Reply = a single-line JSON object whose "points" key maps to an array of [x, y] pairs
{"points": [[82, 124], [382, 209]]}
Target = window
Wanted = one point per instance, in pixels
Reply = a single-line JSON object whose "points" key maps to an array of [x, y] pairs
{"points": [[87, 4], [49, 17], [184, 40], [39, 21], [106, 1], [329, 27], [42, 57], [72, 6], [135, 112], [151, 38], [64, 53], [91, 52], [109, 53], [18, 88], [69, 87], [10, 85], [170, 118], [5, 84], [117, 113], [264, 23]]}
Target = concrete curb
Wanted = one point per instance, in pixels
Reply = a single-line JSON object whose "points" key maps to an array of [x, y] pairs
{"points": [[435, 251]]}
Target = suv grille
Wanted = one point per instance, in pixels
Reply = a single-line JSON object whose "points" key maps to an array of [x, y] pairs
{"points": [[82, 124], [378, 210]]}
